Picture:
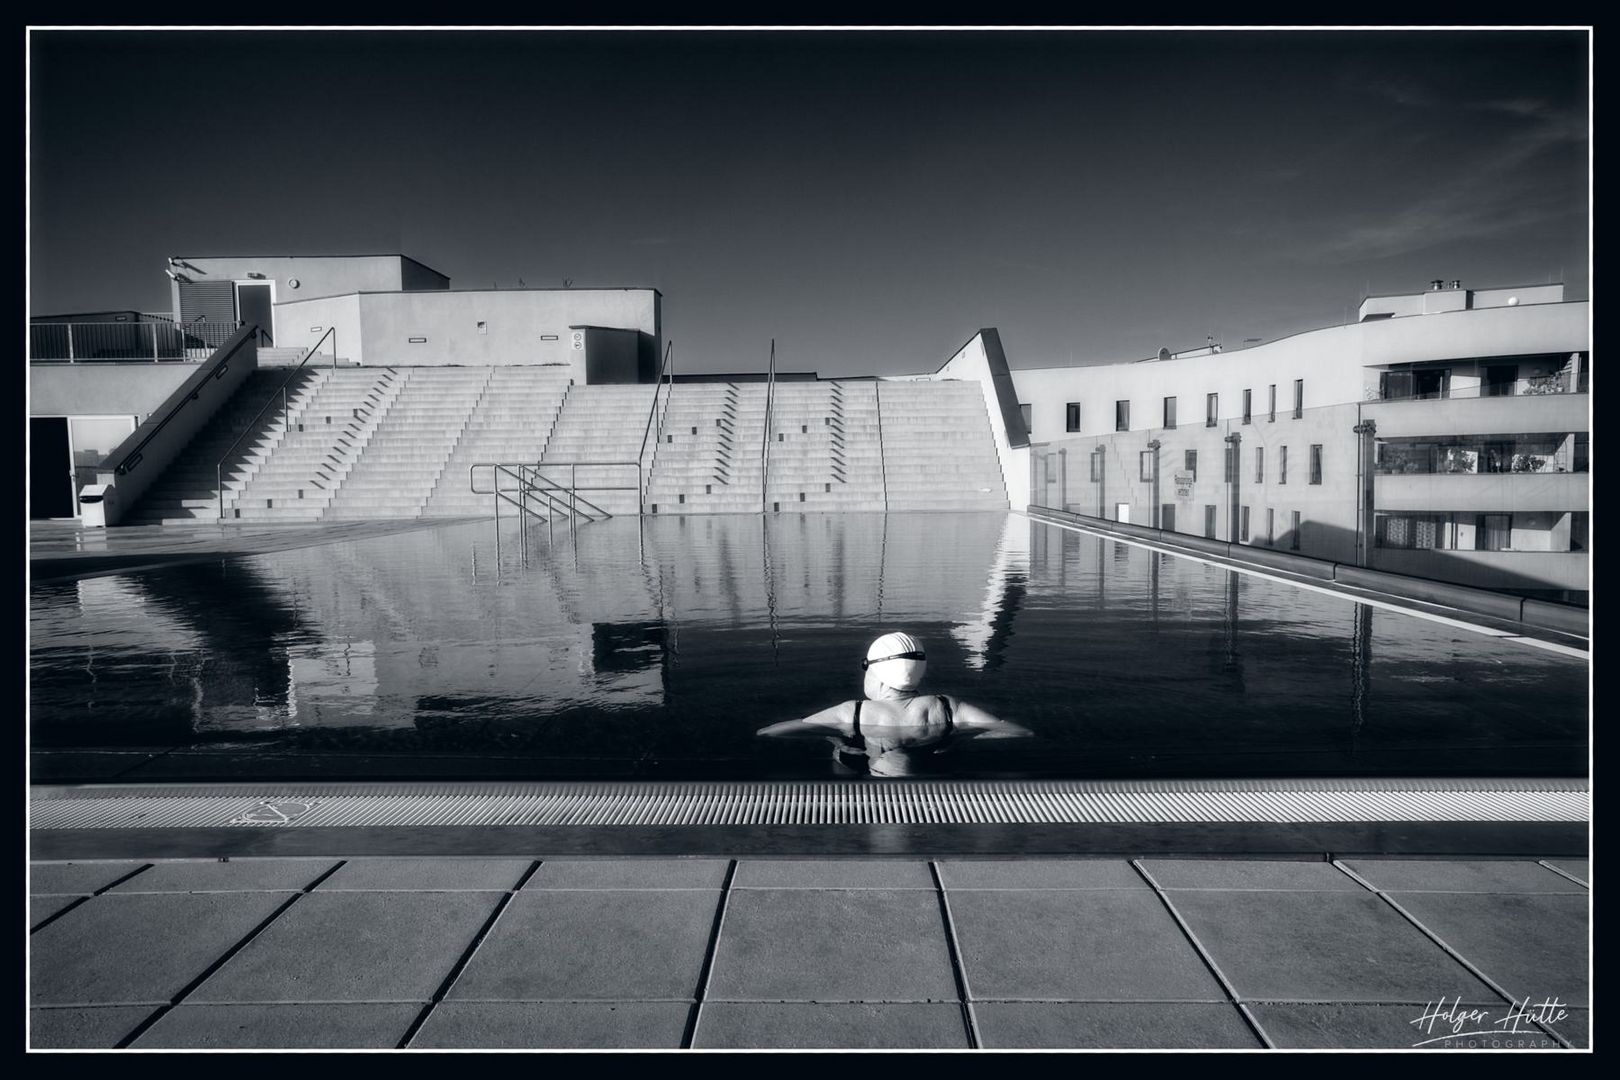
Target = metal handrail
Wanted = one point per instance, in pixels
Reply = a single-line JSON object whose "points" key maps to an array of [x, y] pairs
{"points": [[765, 448], [573, 488], [133, 458], [219, 466], [641, 457]]}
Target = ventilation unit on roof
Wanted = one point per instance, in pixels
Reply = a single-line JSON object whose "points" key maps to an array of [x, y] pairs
{"points": [[1164, 354]]}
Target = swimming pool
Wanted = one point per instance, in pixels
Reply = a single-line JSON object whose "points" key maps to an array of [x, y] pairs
{"points": [[655, 649]]}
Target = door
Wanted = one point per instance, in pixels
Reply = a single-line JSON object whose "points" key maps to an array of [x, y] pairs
{"points": [[254, 306], [50, 469], [1167, 517], [1122, 512]]}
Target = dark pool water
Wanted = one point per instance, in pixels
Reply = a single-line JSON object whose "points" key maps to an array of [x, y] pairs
{"points": [[656, 651]]}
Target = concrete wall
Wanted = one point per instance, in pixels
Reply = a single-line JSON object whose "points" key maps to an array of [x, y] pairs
{"points": [[302, 323], [1490, 569], [102, 389], [1339, 365], [317, 275], [1529, 413], [516, 325], [152, 447], [1483, 493]]}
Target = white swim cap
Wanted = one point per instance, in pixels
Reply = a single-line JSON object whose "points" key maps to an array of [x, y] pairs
{"points": [[896, 661]]}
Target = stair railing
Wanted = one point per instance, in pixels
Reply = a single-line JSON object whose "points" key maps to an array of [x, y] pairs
{"points": [[281, 391], [765, 445], [643, 465]]}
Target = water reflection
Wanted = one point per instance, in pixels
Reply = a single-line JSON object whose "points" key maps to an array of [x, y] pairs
{"points": [[656, 648]]}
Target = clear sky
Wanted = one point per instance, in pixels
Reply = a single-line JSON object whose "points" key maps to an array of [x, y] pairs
{"points": [[869, 199]]}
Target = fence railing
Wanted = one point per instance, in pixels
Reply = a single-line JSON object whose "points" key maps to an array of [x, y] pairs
{"points": [[106, 342]]}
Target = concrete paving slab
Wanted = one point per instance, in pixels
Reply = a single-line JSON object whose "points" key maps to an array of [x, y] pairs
{"points": [[1322, 946], [1111, 1025], [81, 1028], [555, 1025], [629, 874], [1039, 874], [1276, 874], [1366, 1026], [832, 874], [1581, 868], [573, 945], [1462, 875], [41, 908], [1529, 944], [830, 1026], [141, 948], [76, 878], [427, 875], [353, 946], [1097, 944], [342, 1026], [832, 945], [237, 875]]}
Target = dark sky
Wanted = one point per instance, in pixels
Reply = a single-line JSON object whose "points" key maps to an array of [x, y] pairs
{"points": [[870, 200]]}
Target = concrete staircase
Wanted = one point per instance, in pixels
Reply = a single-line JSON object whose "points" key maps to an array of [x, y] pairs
{"points": [[299, 479], [938, 453], [407, 454], [189, 490], [825, 453], [708, 460], [512, 424], [600, 423]]}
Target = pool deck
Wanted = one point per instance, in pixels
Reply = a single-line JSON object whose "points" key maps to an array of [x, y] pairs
{"points": [[755, 952]]}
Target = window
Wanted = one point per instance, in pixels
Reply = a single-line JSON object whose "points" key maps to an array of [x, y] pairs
{"points": [[1579, 521], [1243, 528], [1191, 463], [1029, 416], [1282, 465], [1248, 402], [1493, 532], [1170, 413], [1071, 416], [1299, 398], [1167, 517], [1273, 416], [1145, 466], [1096, 467], [1230, 465], [1212, 409], [1122, 416], [1259, 464], [1293, 533], [1316, 463], [1209, 520], [1271, 526], [1500, 380], [1425, 532]]}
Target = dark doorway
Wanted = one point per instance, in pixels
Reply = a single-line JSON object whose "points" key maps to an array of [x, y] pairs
{"points": [[253, 307], [50, 469]]}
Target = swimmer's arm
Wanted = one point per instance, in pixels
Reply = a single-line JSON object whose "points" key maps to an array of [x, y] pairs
{"points": [[816, 724], [974, 723]]}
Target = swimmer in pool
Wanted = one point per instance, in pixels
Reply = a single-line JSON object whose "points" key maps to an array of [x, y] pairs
{"points": [[879, 734]]}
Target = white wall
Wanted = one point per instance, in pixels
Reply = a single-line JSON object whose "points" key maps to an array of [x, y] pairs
{"points": [[971, 364]]}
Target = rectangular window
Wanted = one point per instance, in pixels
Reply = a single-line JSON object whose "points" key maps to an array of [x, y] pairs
{"points": [[1209, 520], [1167, 517], [1299, 398], [1493, 532], [1271, 526], [1122, 416], [1293, 533], [1071, 416], [1170, 413], [1316, 463], [1230, 463], [1190, 463], [1028, 415], [1282, 465], [1212, 409], [1273, 416], [1259, 464], [1145, 466], [1243, 528], [1248, 403], [1579, 522]]}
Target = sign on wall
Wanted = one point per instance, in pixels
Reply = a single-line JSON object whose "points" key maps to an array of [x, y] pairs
{"points": [[579, 340]]}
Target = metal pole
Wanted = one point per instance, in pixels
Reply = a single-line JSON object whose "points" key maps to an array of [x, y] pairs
{"points": [[70, 342], [154, 342], [1234, 444], [219, 484], [1153, 516]]}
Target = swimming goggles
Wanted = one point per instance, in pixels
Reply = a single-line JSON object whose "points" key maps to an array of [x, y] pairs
{"points": [[897, 656]]}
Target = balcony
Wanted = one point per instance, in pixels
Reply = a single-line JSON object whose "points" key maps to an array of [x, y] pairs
{"points": [[1482, 492], [1478, 415], [154, 341]]}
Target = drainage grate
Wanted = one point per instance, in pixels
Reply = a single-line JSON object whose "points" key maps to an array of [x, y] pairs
{"points": [[810, 803]]}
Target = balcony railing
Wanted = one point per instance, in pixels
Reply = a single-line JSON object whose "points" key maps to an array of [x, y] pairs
{"points": [[125, 342]]}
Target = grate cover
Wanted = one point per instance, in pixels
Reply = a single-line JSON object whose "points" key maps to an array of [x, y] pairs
{"points": [[258, 806]]}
